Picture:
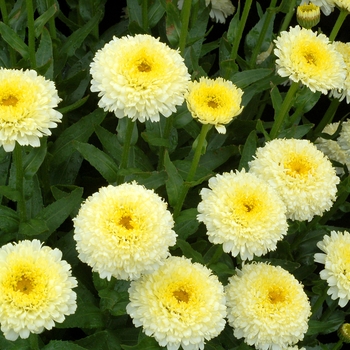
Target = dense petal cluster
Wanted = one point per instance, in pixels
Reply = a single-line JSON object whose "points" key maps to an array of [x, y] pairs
{"points": [[214, 101], [139, 77], [343, 4], [327, 6], [267, 307], [335, 258], [27, 102], [302, 175], [124, 231], [244, 213], [180, 304], [35, 288], [309, 58]]}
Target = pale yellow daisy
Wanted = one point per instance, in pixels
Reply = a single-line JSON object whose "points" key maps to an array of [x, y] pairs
{"points": [[27, 102], [139, 77], [267, 306], [214, 101], [124, 231], [302, 175], [336, 260], [343, 4], [35, 288], [309, 58], [243, 213], [180, 304], [344, 136], [220, 9], [327, 6]]}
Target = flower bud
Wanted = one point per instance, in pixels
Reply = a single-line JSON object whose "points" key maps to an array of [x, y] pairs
{"points": [[308, 15]]}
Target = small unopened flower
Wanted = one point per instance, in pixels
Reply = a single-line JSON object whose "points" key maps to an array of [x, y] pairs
{"points": [[214, 101], [301, 174], [35, 288], [180, 304], [327, 6], [139, 77], [27, 102], [308, 15], [244, 213], [335, 257], [309, 58], [267, 306], [124, 231], [344, 332]]}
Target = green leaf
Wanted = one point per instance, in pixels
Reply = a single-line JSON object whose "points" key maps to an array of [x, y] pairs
{"points": [[103, 163], [8, 219], [14, 40], [155, 13], [146, 343], [33, 160], [189, 252], [44, 55], [151, 180], [249, 150], [174, 182], [10, 193], [173, 23], [186, 223], [276, 99], [19, 344], [62, 345], [43, 19], [104, 340], [247, 77]]}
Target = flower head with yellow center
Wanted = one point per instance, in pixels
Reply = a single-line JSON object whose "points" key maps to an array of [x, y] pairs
{"points": [[336, 260], [302, 175], [214, 101], [244, 213], [343, 4], [267, 306], [139, 77], [310, 59], [327, 6], [308, 15], [27, 102], [180, 304], [124, 231], [35, 288]]}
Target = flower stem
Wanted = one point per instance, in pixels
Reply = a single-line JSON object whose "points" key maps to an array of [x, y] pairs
{"points": [[339, 345], [126, 149], [192, 172], [145, 15], [242, 23], [31, 34], [340, 20], [166, 135], [286, 105], [328, 116], [288, 17], [21, 206], [270, 11], [185, 19]]}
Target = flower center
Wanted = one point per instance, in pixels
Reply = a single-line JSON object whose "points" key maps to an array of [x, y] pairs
{"points": [[181, 296], [24, 285], [276, 295], [144, 66], [298, 167], [126, 222], [212, 104], [310, 59], [9, 101]]}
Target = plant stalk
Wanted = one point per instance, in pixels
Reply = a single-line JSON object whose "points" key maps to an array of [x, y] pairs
{"points": [[340, 20], [21, 206], [185, 19], [31, 33]]}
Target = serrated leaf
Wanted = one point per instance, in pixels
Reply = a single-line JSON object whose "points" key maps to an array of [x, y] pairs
{"points": [[43, 19], [8, 219], [249, 150], [247, 77], [186, 223], [14, 40], [33, 160], [189, 252], [174, 182]]}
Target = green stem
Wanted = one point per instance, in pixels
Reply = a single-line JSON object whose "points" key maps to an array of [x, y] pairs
{"points": [[286, 105], [270, 12], [21, 206], [328, 116], [52, 25], [126, 149], [5, 19], [340, 20], [145, 15], [166, 135], [339, 345], [185, 18], [242, 23], [192, 172], [31, 34], [288, 17]]}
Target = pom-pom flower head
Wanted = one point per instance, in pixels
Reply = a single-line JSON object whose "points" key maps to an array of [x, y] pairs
{"points": [[343, 4], [214, 101], [35, 289], [139, 77], [244, 213], [181, 303], [302, 175], [267, 307], [335, 258], [124, 231], [310, 59], [27, 103]]}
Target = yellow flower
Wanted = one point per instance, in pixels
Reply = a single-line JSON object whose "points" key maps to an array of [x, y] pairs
{"points": [[311, 59], [308, 15], [302, 175], [267, 307], [244, 213], [27, 103], [344, 137], [336, 262], [139, 77], [181, 303], [327, 6], [344, 50], [124, 231], [214, 101], [343, 4], [35, 288]]}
